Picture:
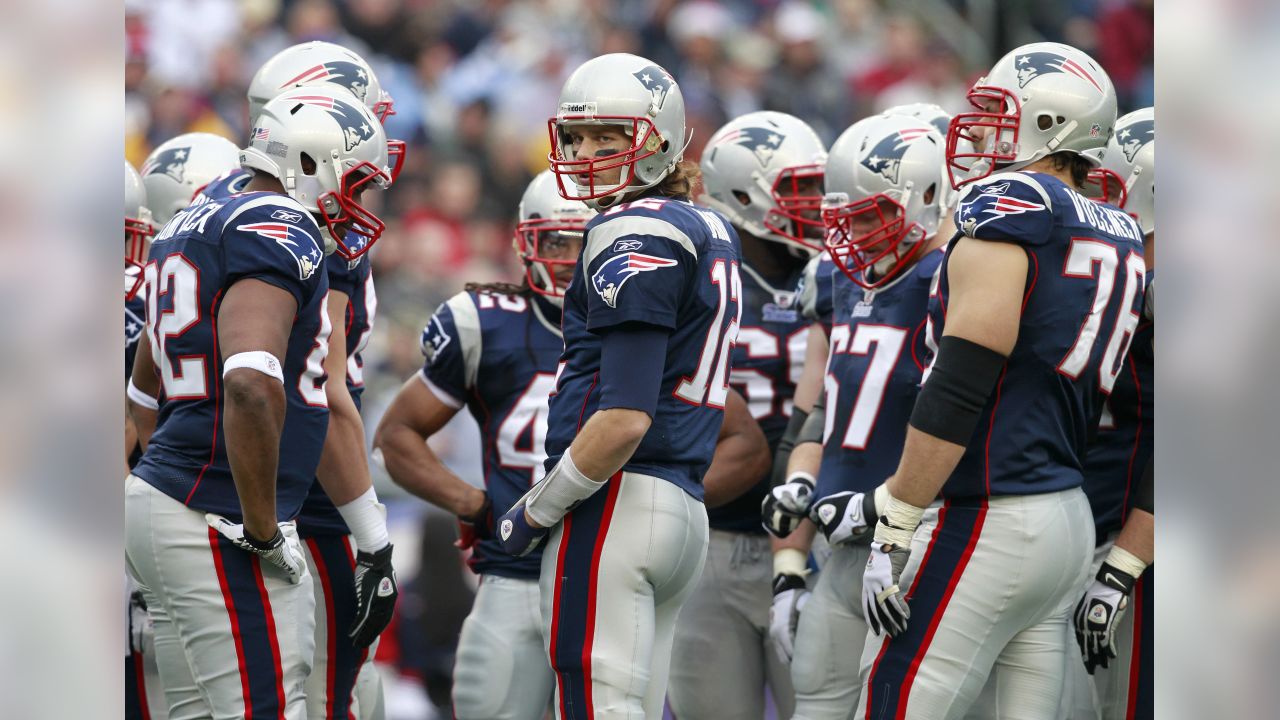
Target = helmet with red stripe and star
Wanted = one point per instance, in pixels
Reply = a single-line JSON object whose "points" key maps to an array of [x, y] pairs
{"points": [[1040, 99]]}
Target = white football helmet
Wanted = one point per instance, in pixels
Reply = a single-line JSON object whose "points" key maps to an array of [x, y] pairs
{"points": [[940, 119], [181, 167], [319, 64], [1039, 99], [764, 171], [1127, 177], [634, 94], [138, 230], [545, 221], [884, 196], [344, 146]]}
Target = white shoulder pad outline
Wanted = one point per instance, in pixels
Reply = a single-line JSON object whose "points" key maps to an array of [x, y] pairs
{"points": [[1015, 175], [466, 322], [600, 238]]}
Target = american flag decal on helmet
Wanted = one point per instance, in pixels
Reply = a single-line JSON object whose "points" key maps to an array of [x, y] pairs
{"points": [[617, 270], [1034, 64]]}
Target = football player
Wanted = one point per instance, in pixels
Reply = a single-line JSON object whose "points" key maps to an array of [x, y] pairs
{"points": [[238, 330], [883, 210], [649, 324], [764, 172], [342, 524], [181, 167], [1034, 309], [1116, 644], [494, 349]]}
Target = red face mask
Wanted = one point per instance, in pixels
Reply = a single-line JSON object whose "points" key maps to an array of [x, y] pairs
{"points": [[136, 234], [647, 143], [798, 193], [533, 239], [354, 228], [1000, 140], [856, 252]]}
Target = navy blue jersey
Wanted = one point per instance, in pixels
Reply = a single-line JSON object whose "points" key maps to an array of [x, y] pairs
{"points": [[354, 278], [668, 264], [497, 355], [135, 320], [767, 360], [200, 253], [1085, 282], [815, 291], [879, 349], [231, 182], [1119, 454]]}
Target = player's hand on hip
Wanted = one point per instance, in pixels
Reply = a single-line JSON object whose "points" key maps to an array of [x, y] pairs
{"points": [[785, 506], [789, 597], [376, 593], [518, 534], [883, 603], [844, 517], [476, 526], [282, 550], [1098, 614]]}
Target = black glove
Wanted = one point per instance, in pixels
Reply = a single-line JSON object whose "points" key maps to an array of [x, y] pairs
{"points": [[1098, 614], [477, 527], [376, 593]]}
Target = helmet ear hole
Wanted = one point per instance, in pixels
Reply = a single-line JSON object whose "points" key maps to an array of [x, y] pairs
{"points": [[1061, 119], [1044, 122], [930, 193], [308, 164], [742, 198]]}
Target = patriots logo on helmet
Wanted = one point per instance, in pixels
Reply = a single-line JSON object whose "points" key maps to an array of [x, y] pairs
{"points": [[171, 162], [656, 81], [289, 237], [764, 142], [617, 270], [339, 72], [1033, 65], [885, 157], [1134, 136], [355, 128], [992, 204]]}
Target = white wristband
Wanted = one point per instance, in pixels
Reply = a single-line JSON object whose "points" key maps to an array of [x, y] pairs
{"points": [[802, 476], [562, 488], [260, 360], [366, 518], [898, 522], [1125, 561], [141, 398], [790, 561]]}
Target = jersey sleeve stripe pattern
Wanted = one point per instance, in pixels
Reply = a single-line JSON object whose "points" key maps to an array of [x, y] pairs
{"points": [[889, 684], [601, 237], [439, 392], [275, 199], [466, 320], [1018, 177]]}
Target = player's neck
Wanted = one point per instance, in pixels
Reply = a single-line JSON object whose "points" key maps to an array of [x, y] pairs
{"points": [[772, 260], [263, 182], [1149, 251], [1047, 166]]}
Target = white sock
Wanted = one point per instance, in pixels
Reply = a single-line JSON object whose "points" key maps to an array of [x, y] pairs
{"points": [[367, 520]]}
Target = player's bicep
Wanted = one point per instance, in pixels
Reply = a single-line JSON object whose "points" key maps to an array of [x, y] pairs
{"points": [[987, 285], [144, 375], [255, 316], [418, 408]]}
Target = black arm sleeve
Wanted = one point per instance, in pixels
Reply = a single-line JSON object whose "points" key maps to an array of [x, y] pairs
{"points": [[957, 390], [785, 446], [1145, 497], [632, 358], [813, 426]]}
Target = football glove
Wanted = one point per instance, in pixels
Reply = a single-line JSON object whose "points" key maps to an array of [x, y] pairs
{"points": [[785, 506], [516, 535], [139, 621], [789, 597], [882, 601], [476, 527], [283, 551], [376, 593], [1098, 614], [844, 516]]}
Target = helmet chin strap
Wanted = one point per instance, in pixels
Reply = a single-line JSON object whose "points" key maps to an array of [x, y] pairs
{"points": [[330, 245]]}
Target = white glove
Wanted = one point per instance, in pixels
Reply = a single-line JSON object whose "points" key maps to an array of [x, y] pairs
{"points": [[1098, 615], [844, 516], [789, 598], [882, 601], [786, 505], [283, 551]]}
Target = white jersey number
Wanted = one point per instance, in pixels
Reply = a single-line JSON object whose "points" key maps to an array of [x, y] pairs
{"points": [[888, 342], [183, 378], [758, 388], [1086, 259], [710, 384], [529, 415]]}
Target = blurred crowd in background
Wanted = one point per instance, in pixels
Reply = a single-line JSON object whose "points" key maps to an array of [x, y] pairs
{"points": [[474, 83]]}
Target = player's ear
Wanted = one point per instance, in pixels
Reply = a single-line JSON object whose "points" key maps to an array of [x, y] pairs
{"points": [[308, 164]]}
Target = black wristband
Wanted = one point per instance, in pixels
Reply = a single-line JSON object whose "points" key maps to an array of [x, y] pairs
{"points": [[869, 513], [788, 442], [783, 582], [1145, 497], [959, 385], [1114, 578], [264, 545]]}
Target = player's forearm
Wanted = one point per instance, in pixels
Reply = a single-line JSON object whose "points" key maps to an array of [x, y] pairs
{"points": [[252, 424], [344, 469], [927, 462], [800, 539], [607, 441], [130, 439], [1138, 535], [806, 457], [413, 466], [741, 459], [815, 362]]}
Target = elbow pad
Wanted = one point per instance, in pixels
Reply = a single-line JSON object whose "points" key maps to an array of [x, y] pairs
{"points": [[957, 390], [785, 446]]}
